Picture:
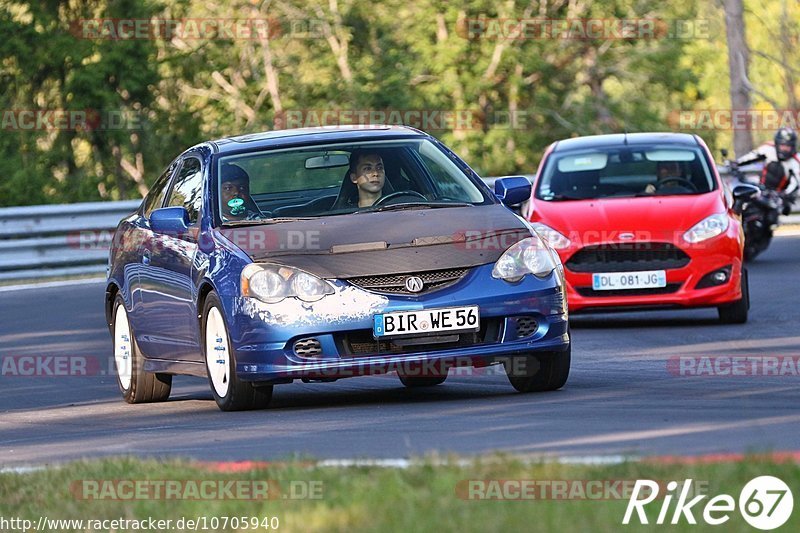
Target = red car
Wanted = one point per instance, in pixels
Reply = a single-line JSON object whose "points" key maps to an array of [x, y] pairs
{"points": [[642, 221]]}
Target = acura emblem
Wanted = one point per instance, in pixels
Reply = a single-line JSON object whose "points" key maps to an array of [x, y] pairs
{"points": [[413, 284]]}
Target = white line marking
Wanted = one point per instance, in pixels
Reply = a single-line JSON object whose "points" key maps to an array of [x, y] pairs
{"points": [[406, 463], [50, 284], [22, 469]]}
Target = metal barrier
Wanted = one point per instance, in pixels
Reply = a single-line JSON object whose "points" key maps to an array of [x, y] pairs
{"points": [[58, 240]]}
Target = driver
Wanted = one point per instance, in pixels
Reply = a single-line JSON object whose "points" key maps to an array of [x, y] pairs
{"points": [[237, 204], [366, 172], [665, 172]]}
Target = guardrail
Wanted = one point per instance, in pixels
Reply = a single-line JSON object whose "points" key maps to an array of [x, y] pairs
{"points": [[58, 240]]}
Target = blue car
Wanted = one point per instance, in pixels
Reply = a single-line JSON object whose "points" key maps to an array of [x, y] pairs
{"points": [[325, 253]]}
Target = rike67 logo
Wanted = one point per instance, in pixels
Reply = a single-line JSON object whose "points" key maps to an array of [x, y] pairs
{"points": [[765, 503]]}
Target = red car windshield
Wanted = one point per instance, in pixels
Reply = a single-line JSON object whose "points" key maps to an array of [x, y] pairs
{"points": [[628, 171]]}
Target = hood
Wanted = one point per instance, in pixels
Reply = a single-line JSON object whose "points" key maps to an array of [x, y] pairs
{"points": [[389, 242], [647, 218]]}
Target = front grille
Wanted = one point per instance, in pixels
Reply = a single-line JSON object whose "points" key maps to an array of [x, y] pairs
{"points": [[307, 347], [396, 283], [360, 343], [588, 291], [628, 257]]}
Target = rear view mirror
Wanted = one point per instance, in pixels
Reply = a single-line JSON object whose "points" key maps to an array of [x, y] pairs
{"points": [[328, 161], [583, 162]]}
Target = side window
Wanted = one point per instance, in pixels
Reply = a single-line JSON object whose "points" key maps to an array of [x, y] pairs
{"points": [[187, 190], [155, 197]]}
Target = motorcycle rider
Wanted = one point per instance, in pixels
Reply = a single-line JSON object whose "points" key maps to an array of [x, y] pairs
{"points": [[782, 150]]}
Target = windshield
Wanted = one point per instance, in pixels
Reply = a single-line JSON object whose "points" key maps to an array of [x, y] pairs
{"points": [[340, 179], [625, 171]]}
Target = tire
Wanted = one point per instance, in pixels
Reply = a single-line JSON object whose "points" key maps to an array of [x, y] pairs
{"points": [[136, 385], [413, 382], [736, 312], [230, 393], [538, 372], [750, 253]]}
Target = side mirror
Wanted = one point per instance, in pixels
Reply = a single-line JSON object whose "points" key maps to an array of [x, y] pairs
{"points": [[170, 220], [512, 190], [744, 192]]}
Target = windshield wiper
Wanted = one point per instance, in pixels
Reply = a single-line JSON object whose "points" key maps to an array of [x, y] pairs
{"points": [[563, 198], [413, 205], [264, 221]]}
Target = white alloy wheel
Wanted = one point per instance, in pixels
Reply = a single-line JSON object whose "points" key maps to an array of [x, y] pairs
{"points": [[217, 352], [123, 352]]}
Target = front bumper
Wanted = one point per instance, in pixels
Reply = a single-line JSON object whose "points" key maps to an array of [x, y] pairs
{"points": [[686, 287], [524, 317]]}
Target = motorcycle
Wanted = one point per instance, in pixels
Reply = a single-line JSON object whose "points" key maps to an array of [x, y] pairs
{"points": [[760, 207]]}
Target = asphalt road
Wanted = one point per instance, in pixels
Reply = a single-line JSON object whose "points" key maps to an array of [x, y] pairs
{"points": [[623, 396]]}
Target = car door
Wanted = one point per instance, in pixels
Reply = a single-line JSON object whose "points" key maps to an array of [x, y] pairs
{"points": [[136, 245], [168, 290]]}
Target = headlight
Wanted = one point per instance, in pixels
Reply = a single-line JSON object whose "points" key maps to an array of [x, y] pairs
{"points": [[273, 283], [554, 238], [528, 256], [707, 228]]}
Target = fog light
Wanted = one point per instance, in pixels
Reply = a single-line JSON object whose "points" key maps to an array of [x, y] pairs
{"points": [[716, 277]]}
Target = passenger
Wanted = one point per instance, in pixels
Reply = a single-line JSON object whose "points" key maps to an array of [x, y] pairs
{"points": [[237, 204]]}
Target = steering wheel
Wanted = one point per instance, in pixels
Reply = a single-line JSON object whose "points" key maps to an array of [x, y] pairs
{"points": [[680, 182], [397, 194]]}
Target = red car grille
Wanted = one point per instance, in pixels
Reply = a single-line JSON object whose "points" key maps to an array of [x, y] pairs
{"points": [[628, 257]]}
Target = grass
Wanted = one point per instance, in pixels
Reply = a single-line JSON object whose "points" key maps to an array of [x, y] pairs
{"points": [[427, 496]]}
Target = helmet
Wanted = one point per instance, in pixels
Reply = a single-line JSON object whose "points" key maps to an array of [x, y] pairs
{"points": [[785, 143]]}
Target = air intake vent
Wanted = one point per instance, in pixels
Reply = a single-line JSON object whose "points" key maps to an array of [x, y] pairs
{"points": [[628, 257], [307, 347], [526, 326]]}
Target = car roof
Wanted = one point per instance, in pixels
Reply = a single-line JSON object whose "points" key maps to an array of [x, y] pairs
{"points": [[632, 139], [311, 136]]}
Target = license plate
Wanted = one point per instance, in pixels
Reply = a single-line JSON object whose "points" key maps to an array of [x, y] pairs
{"points": [[614, 281], [426, 321]]}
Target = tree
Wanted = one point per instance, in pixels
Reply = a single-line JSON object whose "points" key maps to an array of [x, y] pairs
{"points": [[738, 66]]}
